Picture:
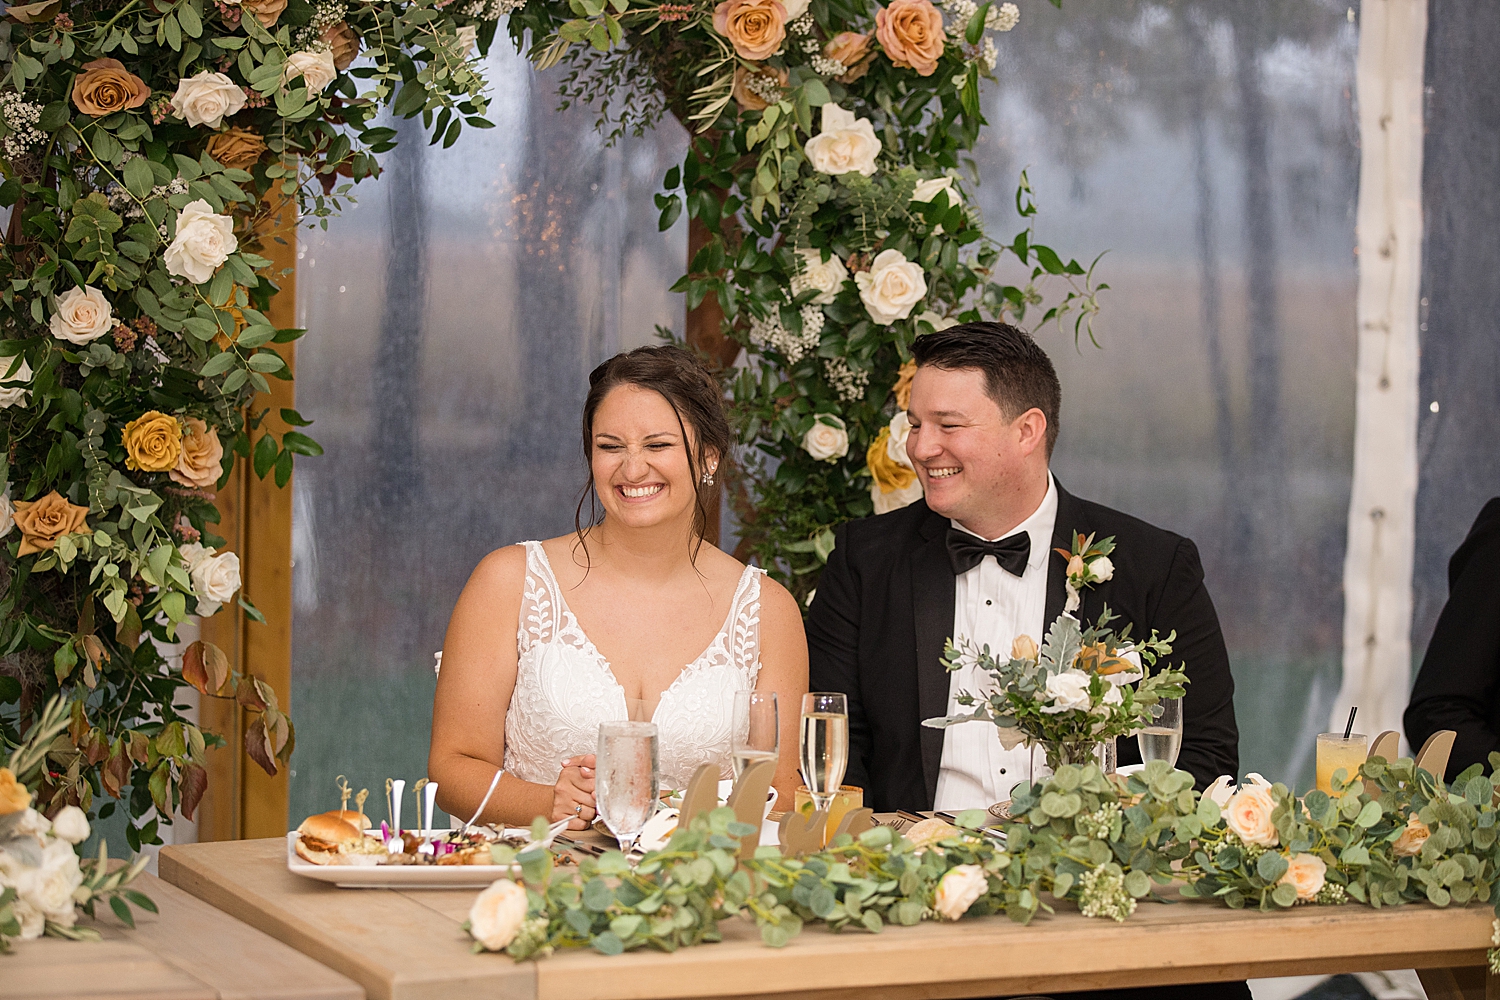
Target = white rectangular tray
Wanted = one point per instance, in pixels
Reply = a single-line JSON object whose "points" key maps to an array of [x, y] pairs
{"points": [[396, 876]]}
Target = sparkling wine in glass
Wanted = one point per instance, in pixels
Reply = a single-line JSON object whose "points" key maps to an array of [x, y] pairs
{"points": [[824, 745], [627, 778], [1162, 739], [757, 732]]}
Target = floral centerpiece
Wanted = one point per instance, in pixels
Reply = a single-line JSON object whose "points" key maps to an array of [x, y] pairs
{"points": [[42, 884]]}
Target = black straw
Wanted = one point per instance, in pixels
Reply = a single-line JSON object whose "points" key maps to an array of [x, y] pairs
{"points": [[1350, 727]]}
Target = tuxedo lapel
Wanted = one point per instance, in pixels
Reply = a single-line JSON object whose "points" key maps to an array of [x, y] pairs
{"points": [[1068, 513], [932, 612]]}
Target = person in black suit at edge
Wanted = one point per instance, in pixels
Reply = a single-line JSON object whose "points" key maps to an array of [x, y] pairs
{"points": [[1458, 686], [974, 558]]}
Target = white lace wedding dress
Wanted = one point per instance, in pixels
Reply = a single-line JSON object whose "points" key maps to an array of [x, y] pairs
{"points": [[564, 688]]}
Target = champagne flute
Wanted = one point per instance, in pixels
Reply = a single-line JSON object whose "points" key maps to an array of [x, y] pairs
{"points": [[1162, 739], [757, 735], [824, 745], [627, 779]]}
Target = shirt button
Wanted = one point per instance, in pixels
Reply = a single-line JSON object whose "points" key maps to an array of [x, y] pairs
{"points": [[987, 601], [1002, 770]]}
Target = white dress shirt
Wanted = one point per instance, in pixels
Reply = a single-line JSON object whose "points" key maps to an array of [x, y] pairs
{"points": [[990, 606]]}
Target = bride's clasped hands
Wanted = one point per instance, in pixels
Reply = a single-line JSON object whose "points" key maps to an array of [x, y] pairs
{"points": [[633, 616]]}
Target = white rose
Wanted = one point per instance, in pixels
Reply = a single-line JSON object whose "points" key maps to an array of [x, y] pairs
{"points": [[7, 509], [1220, 791], [895, 445], [315, 68], [895, 499], [846, 144], [60, 875], [958, 890], [15, 393], [216, 579], [927, 190], [1067, 690], [891, 287], [194, 553], [468, 37], [31, 823], [81, 315], [795, 9], [827, 439], [1101, 569], [32, 920], [935, 321], [206, 98], [204, 241], [71, 824], [827, 277], [497, 914]]}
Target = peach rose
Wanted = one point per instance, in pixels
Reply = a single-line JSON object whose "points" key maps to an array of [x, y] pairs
{"points": [[888, 473], [1248, 815], [13, 795], [343, 42], [153, 442], [265, 11], [756, 28], [200, 463], [106, 86], [43, 522], [1409, 844], [1305, 873], [911, 32], [902, 388], [764, 79], [851, 50], [237, 149], [1024, 648]]}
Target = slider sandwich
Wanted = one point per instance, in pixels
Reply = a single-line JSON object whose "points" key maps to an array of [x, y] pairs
{"points": [[326, 839]]}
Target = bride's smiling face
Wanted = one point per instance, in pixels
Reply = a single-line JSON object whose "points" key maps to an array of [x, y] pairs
{"points": [[640, 459]]}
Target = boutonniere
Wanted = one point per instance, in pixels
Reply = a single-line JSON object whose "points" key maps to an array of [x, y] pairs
{"points": [[1088, 564]]}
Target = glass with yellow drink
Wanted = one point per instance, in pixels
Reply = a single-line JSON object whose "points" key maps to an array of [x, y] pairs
{"points": [[1335, 750], [849, 798]]}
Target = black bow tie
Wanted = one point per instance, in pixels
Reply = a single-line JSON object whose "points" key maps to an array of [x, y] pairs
{"points": [[965, 551]]}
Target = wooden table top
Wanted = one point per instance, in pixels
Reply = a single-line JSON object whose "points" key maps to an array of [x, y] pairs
{"points": [[403, 945], [190, 951]]}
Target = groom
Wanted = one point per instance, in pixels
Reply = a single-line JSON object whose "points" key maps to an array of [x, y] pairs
{"points": [[975, 558]]}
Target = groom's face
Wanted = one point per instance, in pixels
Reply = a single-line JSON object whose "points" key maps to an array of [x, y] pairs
{"points": [[968, 456]]}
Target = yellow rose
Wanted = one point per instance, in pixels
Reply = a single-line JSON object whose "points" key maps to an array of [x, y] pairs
{"points": [[1409, 844], [202, 459], [153, 442], [1248, 815], [1305, 873], [890, 474], [13, 795], [1024, 648], [756, 28], [43, 522], [903, 385]]}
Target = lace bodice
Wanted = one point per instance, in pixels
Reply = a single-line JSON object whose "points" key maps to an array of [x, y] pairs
{"points": [[564, 688]]}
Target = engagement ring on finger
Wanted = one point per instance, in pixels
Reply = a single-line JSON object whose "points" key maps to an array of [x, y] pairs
{"points": [[578, 810]]}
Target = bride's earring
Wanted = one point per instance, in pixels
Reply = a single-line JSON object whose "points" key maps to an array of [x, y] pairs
{"points": [[708, 476]]}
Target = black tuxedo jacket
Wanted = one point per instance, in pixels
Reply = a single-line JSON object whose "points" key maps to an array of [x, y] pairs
{"points": [[1458, 686], [884, 607]]}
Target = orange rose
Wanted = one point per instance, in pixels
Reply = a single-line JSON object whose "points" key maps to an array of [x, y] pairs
{"points": [[911, 32], [13, 795], [202, 458], [765, 79], [852, 50], [43, 522], [265, 11], [153, 442], [238, 148], [756, 28], [343, 42], [903, 385], [890, 474], [106, 86]]}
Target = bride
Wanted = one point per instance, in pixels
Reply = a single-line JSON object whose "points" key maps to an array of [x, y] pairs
{"points": [[632, 616]]}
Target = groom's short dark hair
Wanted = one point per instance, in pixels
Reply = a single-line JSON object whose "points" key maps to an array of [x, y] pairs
{"points": [[1018, 375]]}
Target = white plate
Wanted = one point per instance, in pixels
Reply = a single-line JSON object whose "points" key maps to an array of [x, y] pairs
{"points": [[396, 876]]}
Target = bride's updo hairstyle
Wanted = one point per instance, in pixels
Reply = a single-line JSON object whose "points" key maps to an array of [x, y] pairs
{"points": [[694, 395]]}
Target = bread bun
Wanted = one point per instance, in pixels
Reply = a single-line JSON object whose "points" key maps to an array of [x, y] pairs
{"points": [[359, 820], [322, 838]]}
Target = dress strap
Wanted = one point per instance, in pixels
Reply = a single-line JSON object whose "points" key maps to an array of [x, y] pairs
{"points": [[541, 607], [744, 623]]}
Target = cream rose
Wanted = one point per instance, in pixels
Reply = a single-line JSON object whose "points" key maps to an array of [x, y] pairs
{"points": [[928, 189], [468, 37], [935, 321], [216, 579], [1067, 690], [1101, 569], [891, 287], [958, 890], [60, 875], [827, 439], [1248, 816], [15, 392], [795, 8], [497, 914], [1305, 873], [7, 511], [1409, 844], [895, 499], [202, 458], [845, 145], [81, 315], [315, 68], [827, 276], [207, 98], [71, 824], [895, 445], [204, 241]]}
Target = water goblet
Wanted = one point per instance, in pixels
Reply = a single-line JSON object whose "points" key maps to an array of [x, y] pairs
{"points": [[627, 778], [757, 734], [1162, 739]]}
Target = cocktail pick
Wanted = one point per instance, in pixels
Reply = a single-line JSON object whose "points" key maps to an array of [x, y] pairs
{"points": [[398, 788], [1348, 729], [344, 792], [359, 801], [421, 783], [390, 813], [432, 787], [494, 783]]}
